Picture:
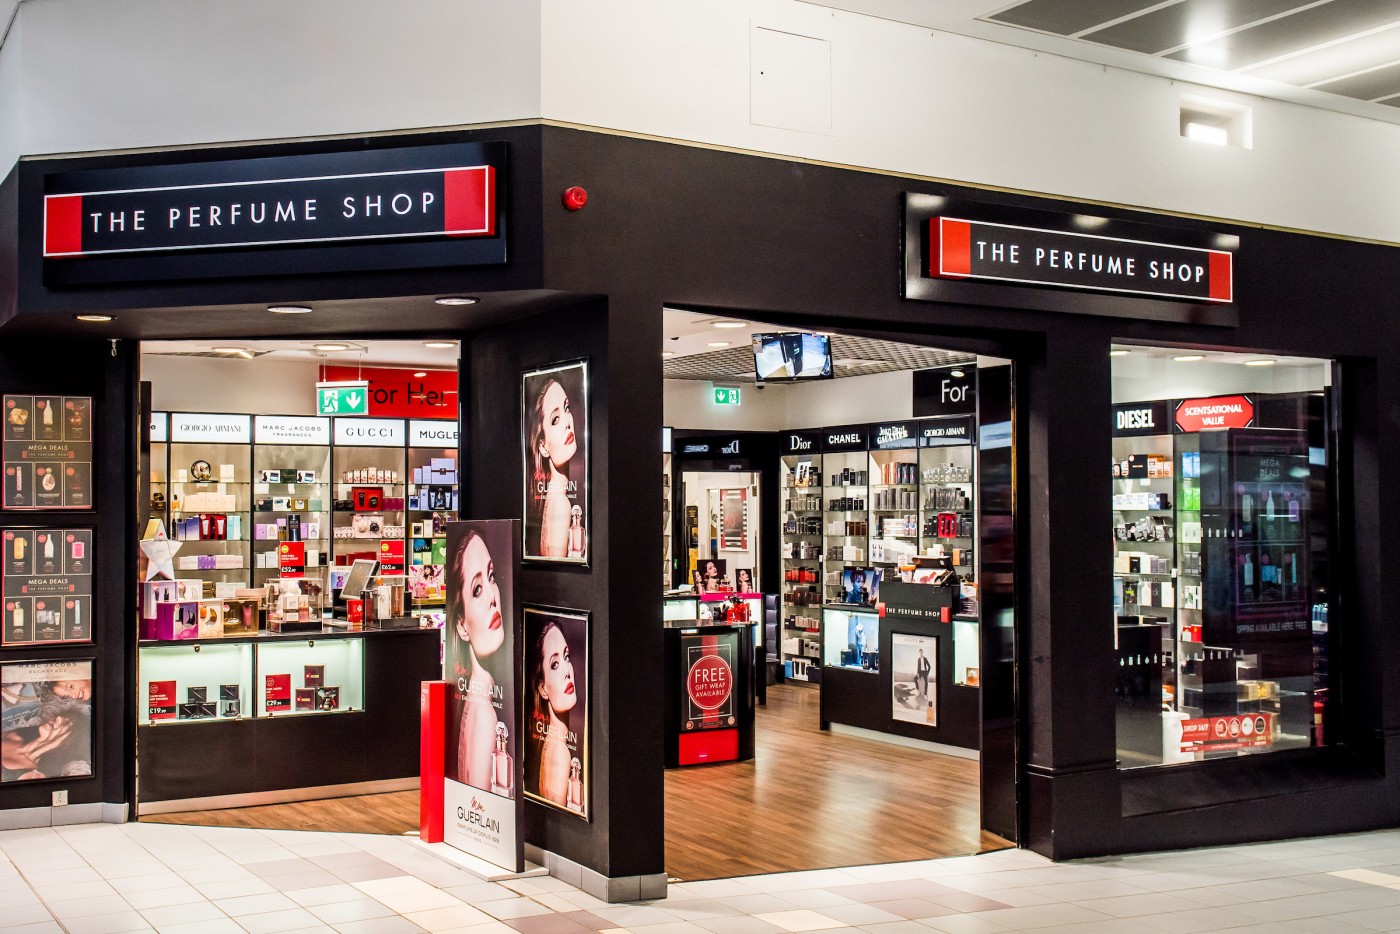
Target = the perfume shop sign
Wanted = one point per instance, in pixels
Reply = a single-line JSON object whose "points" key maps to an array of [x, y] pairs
{"points": [[266, 203], [959, 248]]}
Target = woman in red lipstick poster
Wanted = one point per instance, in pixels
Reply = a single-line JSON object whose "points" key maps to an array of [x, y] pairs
{"points": [[556, 679], [478, 656], [555, 430]]}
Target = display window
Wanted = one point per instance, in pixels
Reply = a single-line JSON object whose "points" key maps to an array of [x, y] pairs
{"points": [[1224, 489]]}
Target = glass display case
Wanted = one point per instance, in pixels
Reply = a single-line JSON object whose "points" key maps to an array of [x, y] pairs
{"points": [[208, 497], [256, 676], [193, 681], [291, 495], [894, 495], [802, 491], [432, 503], [680, 608], [157, 486], [851, 638], [847, 494], [369, 466]]}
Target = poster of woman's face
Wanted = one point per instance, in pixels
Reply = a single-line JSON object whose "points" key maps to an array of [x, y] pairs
{"points": [[479, 655], [556, 704], [45, 720], [554, 426]]}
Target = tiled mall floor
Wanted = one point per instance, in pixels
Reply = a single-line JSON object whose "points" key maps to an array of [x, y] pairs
{"points": [[99, 878]]}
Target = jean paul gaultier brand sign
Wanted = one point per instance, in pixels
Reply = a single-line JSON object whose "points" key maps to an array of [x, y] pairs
{"points": [[425, 192], [895, 435], [969, 249]]}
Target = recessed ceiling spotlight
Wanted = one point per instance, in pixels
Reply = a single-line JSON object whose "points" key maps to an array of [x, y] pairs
{"points": [[1189, 358], [718, 344], [96, 319], [440, 345], [1260, 362], [420, 374], [289, 309], [330, 348], [956, 374], [667, 354], [229, 349], [729, 324], [455, 300], [1119, 353]]}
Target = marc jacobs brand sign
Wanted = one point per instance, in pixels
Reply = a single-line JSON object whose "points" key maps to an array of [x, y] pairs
{"points": [[357, 196]]}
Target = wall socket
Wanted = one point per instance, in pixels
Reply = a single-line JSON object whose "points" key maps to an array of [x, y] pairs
{"points": [[60, 798]]}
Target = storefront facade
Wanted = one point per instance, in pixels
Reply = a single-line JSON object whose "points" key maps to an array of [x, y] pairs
{"points": [[673, 225]]}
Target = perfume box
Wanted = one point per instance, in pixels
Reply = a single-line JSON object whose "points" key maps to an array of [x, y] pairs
{"points": [[156, 592], [226, 473], [315, 676], [160, 700], [277, 692], [293, 626], [179, 620], [328, 698], [306, 699], [189, 588], [230, 700], [367, 498], [241, 616], [211, 619], [197, 711], [199, 695], [306, 476]]}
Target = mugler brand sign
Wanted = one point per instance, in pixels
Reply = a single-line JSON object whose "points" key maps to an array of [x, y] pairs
{"points": [[967, 249]]}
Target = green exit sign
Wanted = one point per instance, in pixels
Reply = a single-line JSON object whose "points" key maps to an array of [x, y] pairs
{"points": [[724, 396], [342, 398]]}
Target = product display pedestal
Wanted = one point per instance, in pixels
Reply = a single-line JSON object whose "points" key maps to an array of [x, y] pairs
{"points": [[710, 700]]}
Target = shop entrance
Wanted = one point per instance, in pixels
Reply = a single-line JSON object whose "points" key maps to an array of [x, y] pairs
{"points": [[868, 488], [305, 532]]}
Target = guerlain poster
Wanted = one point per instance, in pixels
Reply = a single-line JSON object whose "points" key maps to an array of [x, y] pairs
{"points": [[554, 430], [48, 452], [45, 720], [556, 708]]}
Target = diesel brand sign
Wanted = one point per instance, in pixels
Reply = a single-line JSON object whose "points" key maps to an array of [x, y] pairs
{"points": [[967, 249], [1141, 418]]}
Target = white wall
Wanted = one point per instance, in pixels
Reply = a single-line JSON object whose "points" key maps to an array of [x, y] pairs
{"points": [[99, 74], [1143, 379], [207, 384], [95, 74], [689, 403], [777, 407]]}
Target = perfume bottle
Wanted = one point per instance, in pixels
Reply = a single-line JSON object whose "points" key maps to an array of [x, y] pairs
{"points": [[1268, 504], [48, 415], [20, 544], [48, 548], [502, 768], [1248, 573], [1293, 508], [575, 800], [576, 532], [1246, 507], [19, 617]]}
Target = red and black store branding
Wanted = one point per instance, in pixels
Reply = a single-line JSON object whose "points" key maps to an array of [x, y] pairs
{"points": [[296, 207], [1194, 415], [1010, 253], [969, 249], [1141, 418]]}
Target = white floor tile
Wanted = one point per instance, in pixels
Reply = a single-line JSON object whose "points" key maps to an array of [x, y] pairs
{"points": [[274, 922], [802, 919], [86, 907], [118, 923], [448, 918], [352, 909], [183, 914], [254, 904]]}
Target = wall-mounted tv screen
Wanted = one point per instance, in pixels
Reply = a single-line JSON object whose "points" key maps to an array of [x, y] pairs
{"points": [[791, 356]]}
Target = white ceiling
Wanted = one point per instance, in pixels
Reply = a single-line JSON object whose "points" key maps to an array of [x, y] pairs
{"points": [[1341, 55]]}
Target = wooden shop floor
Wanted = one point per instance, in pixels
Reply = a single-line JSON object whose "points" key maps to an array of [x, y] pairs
{"points": [[808, 800]]}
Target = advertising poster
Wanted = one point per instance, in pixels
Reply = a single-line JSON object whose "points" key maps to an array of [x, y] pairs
{"points": [[480, 658], [1227, 734], [709, 680], [554, 432], [710, 576], [734, 519], [45, 720], [48, 452], [556, 708], [914, 676], [47, 586]]}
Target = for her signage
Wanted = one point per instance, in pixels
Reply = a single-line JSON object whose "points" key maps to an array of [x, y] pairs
{"points": [[481, 746]]}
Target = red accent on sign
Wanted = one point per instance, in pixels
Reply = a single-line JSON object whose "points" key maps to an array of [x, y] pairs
{"points": [[709, 746], [1194, 415], [710, 681], [956, 248], [160, 700], [391, 555], [469, 202], [397, 393], [63, 225], [1222, 282], [1221, 734], [292, 558], [432, 746]]}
